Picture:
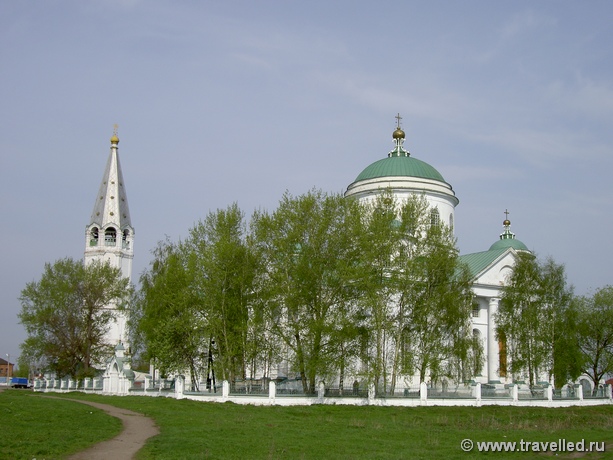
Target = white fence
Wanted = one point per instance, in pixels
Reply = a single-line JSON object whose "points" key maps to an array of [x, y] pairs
{"points": [[469, 395]]}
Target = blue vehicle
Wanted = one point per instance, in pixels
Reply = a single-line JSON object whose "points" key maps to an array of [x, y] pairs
{"points": [[20, 382]]}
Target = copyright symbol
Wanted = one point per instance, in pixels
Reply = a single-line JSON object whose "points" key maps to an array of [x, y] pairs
{"points": [[466, 445]]}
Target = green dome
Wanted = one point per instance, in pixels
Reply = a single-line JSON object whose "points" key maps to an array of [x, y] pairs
{"points": [[400, 166], [509, 243]]}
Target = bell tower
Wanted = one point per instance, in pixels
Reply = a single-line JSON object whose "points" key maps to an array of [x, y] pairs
{"points": [[109, 236]]}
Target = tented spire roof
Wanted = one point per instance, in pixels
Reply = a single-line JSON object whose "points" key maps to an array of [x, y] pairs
{"points": [[111, 206]]}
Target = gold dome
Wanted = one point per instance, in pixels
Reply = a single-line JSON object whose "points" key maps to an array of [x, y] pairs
{"points": [[398, 134], [114, 139], [506, 222]]}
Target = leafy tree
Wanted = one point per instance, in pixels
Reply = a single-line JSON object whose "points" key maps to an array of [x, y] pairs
{"points": [[595, 333], [195, 300], [531, 316], [28, 366], [226, 267], [419, 297], [307, 255], [567, 359], [380, 239], [67, 314], [165, 317]]}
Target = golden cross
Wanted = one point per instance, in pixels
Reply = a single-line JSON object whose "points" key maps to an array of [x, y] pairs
{"points": [[506, 213], [398, 117]]}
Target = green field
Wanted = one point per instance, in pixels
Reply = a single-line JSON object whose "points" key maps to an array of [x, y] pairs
{"points": [[35, 426]]}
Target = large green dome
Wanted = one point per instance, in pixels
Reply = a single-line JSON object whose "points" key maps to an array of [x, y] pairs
{"points": [[404, 166]]}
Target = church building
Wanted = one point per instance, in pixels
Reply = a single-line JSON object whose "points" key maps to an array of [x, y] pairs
{"points": [[110, 237], [404, 175]]}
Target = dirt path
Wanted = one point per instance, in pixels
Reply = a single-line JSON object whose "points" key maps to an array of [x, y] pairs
{"points": [[136, 430]]}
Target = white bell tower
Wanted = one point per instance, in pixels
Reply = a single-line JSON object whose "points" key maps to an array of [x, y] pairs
{"points": [[109, 236]]}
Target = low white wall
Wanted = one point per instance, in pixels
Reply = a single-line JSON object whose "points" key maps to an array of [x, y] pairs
{"points": [[272, 399]]}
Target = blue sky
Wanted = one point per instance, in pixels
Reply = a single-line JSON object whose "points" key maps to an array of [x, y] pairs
{"points": [[239, 101]]}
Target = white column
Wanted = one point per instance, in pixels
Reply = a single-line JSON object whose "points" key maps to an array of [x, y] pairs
{"points": [[321, 391], [179, 386], [423, 391], [272, 391], [371, 393], [493, 359]]}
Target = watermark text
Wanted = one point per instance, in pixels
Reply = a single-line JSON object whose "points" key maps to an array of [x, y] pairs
{"points": [[560, 445]]}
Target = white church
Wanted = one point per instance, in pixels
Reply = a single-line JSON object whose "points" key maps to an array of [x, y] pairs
{"points": [[109, 237], [405, 175]]}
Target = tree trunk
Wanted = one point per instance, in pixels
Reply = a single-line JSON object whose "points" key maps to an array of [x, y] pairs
{"points": [[300, 355]]}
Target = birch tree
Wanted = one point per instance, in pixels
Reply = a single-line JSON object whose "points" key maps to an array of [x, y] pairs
{"points": [[532, 307], [303, 286], [595, 333]]}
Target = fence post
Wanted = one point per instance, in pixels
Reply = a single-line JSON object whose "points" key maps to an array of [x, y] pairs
{"points": [[225, 389], [549, 391], [580, 392], [371, 393], [515, 392], [478, 393], [272, 391], [179, 386], [321, 392], [609, 391], [423, 392]]}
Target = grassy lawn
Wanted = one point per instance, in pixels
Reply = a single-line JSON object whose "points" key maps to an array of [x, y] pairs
{"points": [[35, 426], [45, 428]]}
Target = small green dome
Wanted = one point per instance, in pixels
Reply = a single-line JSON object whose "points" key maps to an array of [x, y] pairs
{"points": [[404, 166], [509, 243]]}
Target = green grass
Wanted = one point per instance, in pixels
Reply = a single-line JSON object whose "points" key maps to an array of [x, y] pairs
{"points": [[35, 427], [195, 430]]}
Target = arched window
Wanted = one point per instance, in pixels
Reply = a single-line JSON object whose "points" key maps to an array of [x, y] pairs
{"points": [[110, 236], [124, 240], [435, 218], [93, 237]]}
